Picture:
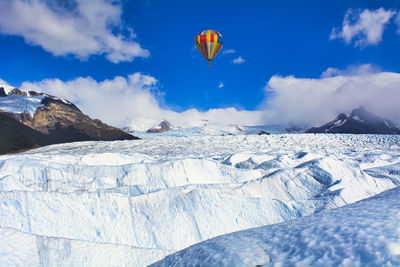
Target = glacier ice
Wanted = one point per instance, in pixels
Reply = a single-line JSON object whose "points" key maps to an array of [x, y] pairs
{"points": [[151, 197], [365, 233], [21, 104]]}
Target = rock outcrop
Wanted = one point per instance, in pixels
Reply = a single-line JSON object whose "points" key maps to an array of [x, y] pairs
{"points": [[163, 127], [15, 136]]}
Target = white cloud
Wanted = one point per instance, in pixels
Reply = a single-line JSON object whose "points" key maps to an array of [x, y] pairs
{"points": [[77, 27], [330, 72], [133, 100], [109, 100], [238, 60], [220, 85], [352, 70], [365, 27], [316, 101], [228, 51]]}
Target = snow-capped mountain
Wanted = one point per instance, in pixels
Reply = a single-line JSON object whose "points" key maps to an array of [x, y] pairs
{"points": [[5, 89], [361, 234], [16, 101], [162, 127], [214, 129], [140, 125], [358, 122], [60, 120], [131, 203]]}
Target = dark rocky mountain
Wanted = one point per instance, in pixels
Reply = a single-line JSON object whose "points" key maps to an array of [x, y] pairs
{"points": [[163, 127], [15, 136], [2, 92], [59, 120], [359, 121], [19, 92]]}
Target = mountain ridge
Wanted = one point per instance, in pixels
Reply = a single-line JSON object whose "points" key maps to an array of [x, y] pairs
{"points": [[59, 120], [359, 121]]}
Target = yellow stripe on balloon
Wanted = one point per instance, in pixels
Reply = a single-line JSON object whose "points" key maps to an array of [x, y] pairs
{"points": [[209, 44], [198, 44], [215, 45]]}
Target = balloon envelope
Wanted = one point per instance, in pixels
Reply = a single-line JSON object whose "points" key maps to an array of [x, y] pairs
{"points": [[209, 43]]}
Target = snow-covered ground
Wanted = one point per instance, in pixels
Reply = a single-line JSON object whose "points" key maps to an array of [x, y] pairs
{"points": [[21, 104], [27, 103], [366, 233], [134, 202]]}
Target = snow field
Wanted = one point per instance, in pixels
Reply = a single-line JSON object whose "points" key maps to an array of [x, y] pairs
{"points": [[164, 193], [366, 233], [49, 251]]}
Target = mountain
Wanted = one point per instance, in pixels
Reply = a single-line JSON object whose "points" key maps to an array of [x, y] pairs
{"points": [[203, 128], [2, 92], [15, 136], [359, 121], [58, 119], [162, 127]]}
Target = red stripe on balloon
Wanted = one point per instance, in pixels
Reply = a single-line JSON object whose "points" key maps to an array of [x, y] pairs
{"points": [[204, 48]]}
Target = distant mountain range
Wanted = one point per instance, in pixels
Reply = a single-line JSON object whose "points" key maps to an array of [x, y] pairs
{"points": [[359, 121], [32, 119], [39, 119]]}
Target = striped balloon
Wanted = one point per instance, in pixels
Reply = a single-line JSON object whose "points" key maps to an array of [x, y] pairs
{"points": [[209, 43]]}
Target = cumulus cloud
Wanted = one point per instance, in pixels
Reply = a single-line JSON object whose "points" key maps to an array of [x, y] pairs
{"points": [[238, 60], [330, 72], [351, 70], [109, 100], [365, 27], [315, 101], [77, 27], [228, 51], [134, 101], [220, 85]]}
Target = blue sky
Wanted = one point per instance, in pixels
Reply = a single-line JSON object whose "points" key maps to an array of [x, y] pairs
{"points": [[275, 38]]}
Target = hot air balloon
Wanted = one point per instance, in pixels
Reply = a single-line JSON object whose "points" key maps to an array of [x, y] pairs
{"points": [[209, 43]]}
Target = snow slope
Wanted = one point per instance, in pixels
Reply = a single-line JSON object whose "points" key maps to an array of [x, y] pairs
{"points": [[147, 198], [366, 233], [20, 104], [7, 88], [24, 101]]}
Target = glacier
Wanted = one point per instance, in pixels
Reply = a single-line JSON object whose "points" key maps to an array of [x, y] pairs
{"points": [[366, 233], [131, 203], [21, 104]]}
